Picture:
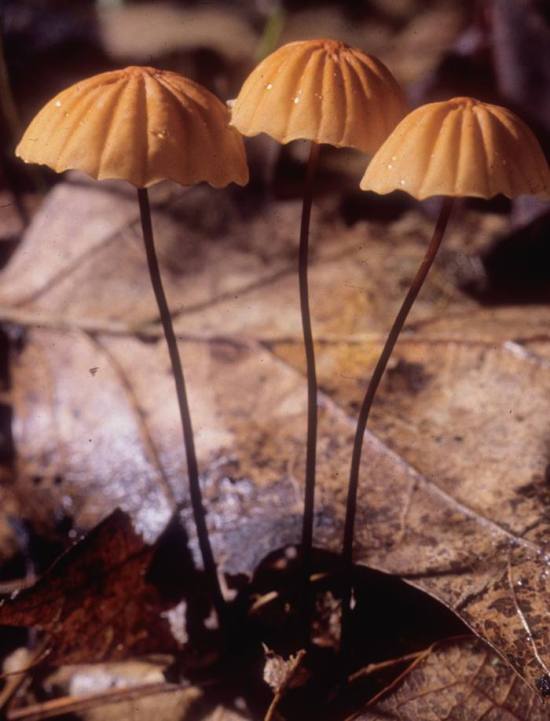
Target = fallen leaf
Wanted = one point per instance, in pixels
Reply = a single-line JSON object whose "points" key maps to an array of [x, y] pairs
{"points": [[453, 477], [460, 680], [95, 603]]}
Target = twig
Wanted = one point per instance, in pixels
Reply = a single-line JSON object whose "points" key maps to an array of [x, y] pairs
{"points": [[295, 664], [374, 667], [524, 621], [149, 329], [60, 322], [16, 680], [397, 680], [271, 596], [19, 584], [78, 704], [146, 330], [262, 601], [417, 658], [31, 666]]}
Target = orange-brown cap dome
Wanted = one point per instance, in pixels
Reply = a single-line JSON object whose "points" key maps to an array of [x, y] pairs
{"points": [[460, 147], [320, 90], [141, 125]]}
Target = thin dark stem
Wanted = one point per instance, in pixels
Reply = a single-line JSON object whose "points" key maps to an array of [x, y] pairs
{"points": [[199, 513], [351, 506], [311, 448]]}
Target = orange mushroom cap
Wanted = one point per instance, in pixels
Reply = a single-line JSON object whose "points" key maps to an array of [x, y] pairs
{"points": [[141, 125], [460, 147], [320, 90]]}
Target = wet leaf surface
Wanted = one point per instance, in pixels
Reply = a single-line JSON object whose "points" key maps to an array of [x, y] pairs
{"points": [[453, 486]]}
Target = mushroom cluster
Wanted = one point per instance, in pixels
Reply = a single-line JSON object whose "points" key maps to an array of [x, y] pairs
{"points": [[145, 125]]}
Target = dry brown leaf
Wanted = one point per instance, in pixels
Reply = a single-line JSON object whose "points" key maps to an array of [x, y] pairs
{"points": [[465, 681], [452, 491], [95, 603]]}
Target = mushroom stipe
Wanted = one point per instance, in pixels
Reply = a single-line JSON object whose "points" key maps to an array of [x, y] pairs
{"points": [[321, 91], [456, 148], [136, 124], [199, 512], [364, 412]]}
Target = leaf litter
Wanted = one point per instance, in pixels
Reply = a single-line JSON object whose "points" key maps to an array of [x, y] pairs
{"points": [[95, 602], [454, 471], [458, 680]]}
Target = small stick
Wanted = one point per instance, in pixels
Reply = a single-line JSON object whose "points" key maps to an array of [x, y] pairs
{"points": [[524, 621], [296, 662], [375, 667], [311, 445], [396, 681], [199, 513], [78, 704], [15, 680], [399, 322]]}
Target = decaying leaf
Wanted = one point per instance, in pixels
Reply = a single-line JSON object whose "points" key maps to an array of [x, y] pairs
{"points": [[280, 673], [463, 680], [453, 480], [94, 603]]}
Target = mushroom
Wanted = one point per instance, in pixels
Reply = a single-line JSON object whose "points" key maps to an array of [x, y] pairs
{"points": [[145, 125], [456, 148], [325, 92]]}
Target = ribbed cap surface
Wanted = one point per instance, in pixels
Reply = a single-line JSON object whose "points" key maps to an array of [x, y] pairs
{"points": [[141, 125], [320, 90], [460, 147]]}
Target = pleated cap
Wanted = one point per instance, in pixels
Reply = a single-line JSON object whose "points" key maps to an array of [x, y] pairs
{"points": [[460, 147], [320, 90], [141, 125]]}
